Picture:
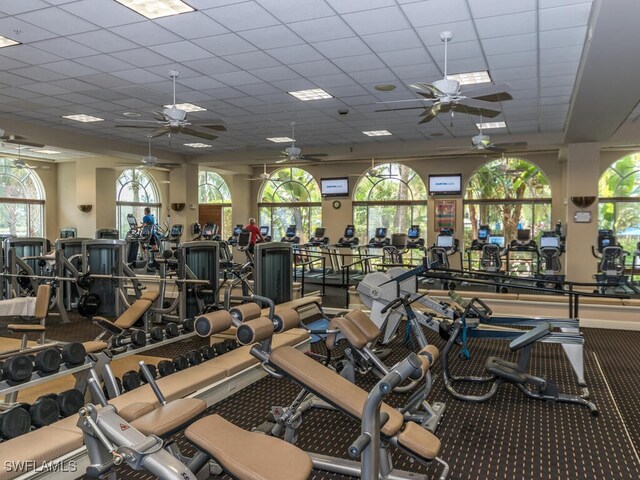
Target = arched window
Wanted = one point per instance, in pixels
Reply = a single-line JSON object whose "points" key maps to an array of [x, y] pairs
{"points": [[507, 194], [21, 201], [389, 195], [135, 190], [619, 201], [291, 196], [214, 198]]}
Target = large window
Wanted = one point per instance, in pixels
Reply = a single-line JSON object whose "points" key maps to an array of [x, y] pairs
{"points": [[290, 197], [21, 201], [135, 190], [619, 201], [507, 194], [389, 195], [213, 190]]}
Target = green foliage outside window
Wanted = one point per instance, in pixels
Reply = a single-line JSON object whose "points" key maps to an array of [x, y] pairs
{"points": [[212, 188], [21, 201]]}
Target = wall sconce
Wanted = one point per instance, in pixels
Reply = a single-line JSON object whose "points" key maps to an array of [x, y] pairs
{"points": [[85, 208], [177, 207], [583, 202]]}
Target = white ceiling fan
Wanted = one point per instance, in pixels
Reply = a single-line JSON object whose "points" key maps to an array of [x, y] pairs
{"points": [[264, 176], [445, 95], [293, 153], [483, 143], [20, 163], [173, 120], [150, 161], [17, 140]]}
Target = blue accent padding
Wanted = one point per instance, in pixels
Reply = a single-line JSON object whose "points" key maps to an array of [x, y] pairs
{"points": [[321, 324]]}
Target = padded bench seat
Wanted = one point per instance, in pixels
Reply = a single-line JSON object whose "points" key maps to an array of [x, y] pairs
{"points": [[151, 295], [42, 445], [295, 304], [170, 418]]}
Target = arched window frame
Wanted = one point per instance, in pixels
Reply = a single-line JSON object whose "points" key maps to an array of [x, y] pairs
{"points": [[274, 206], [22, 211], [412, 209], [539, 202], [619, 201], [209, 178], [151, 198]]}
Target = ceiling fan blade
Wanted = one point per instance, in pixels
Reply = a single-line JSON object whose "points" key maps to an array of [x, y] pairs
{"points": [[404, 101], [129, 121], [137, 126], [428, 89], [511, 145], [195, 133], [493, 148], [160, 131], [216, 127], [26, 143], [159, 116], [398, 109], [472, 108], [490, 93], [168, 165], [316, 155]]}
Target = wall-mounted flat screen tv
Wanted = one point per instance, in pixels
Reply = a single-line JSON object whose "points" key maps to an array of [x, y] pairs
{"points": [[334, 187], [445, 184]]}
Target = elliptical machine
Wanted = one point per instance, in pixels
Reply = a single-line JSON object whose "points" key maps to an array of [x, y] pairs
{"points": [[550, 250], [445, 246], [349, 238], [318, 239], [611, 263], [380, 238], [291, 235], [264, 231]]}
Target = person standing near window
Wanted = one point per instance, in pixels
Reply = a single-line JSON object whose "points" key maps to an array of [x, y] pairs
{"points": [[255, 234]]}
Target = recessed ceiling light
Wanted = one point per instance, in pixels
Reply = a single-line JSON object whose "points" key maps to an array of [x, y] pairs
{"points": [[487, 125], [7, 42], [187, 107], [156, 8], [83, 118], [132, 114], [377, 133], [471, 78], [313, 94], [280, 139], [385, 88], [197, 145], [46, 151]]}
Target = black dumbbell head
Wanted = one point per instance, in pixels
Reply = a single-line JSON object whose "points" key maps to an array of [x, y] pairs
{"points": [[231, 344], [17, 368], [70, 401], [188, 324], [138, 338], [180, 363], [172, 330], [166, 367], [156, 334], [220, 348], [14, 422], [44, 411], [73, 354], [194, 357], [207, 352], [152, 370], [130, 380], [47, 361]]}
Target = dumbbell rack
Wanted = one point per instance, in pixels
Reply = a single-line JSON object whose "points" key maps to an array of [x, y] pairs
{"points": [[37, 378], [103, 359]]}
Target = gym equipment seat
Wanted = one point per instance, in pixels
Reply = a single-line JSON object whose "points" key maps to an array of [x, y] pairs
{"points": [[40, 313]]}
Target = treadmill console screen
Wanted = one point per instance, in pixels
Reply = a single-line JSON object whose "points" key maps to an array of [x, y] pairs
{"points": [[483, 233], [524, 235], [209, 230], [176, 230], [550, 242], [381, 232], [237, 230], [291, 231], [444, 241], [349, 232], [497, 240], [319, 233], [264, 230], [414, 232]]}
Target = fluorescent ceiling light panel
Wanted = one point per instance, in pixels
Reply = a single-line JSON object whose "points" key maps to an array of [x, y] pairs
{"points": [[471, 78], [187, 107], [7, 42], [83, 118], [313, 94], [156, 8], [487, 125], [46, 151], [280, 139], [377, 133], [197, 145]]}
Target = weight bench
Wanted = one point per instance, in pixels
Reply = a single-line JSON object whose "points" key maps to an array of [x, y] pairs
{"points": [[360, 331], [422, 445], [41, 310], [124, 322]]}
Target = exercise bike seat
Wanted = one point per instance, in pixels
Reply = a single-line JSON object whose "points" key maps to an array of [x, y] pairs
{"points": [[169, 418], [248, 455], [531, 336]]}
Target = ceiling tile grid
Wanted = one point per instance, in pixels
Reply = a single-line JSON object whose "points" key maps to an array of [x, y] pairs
{"points": [[236, 55]]}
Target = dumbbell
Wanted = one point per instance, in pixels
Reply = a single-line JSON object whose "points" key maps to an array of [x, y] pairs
{"points": [[131, 380], [70, 402], [44, 411], [207, 352], [171, 330], [195, 357], [47, 361], [14, 421], [188, 324], [231, 345], [118, 384], [156, 334], [220, 348], [166, 368], [152, 368], [73, 354], [17, 369], [180, 363]]}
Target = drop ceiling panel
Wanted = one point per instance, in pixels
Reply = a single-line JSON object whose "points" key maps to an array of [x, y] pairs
{"points": [[141, 57], [506, 25], [104, 14], [226, 44], [564, 16], [146, 33], [296, 10], [377, 21], [242, 16], [436, 12], [321, 29], [58, 21], [389, 41], [272, 37]]}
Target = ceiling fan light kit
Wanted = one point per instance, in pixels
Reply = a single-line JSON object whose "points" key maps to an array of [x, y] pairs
{"points": [[85, 208]]}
